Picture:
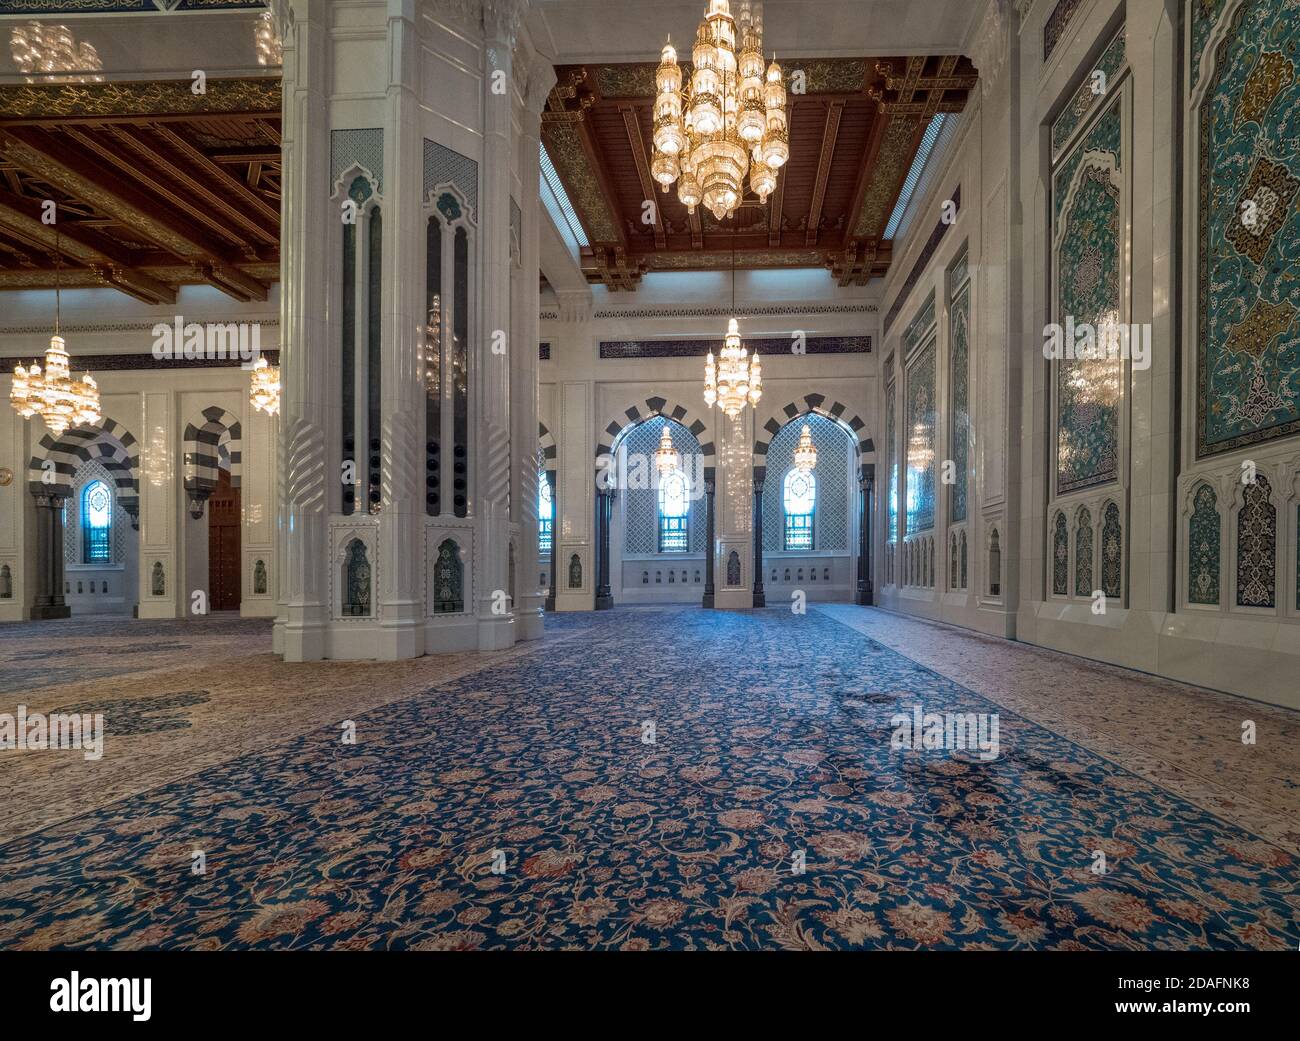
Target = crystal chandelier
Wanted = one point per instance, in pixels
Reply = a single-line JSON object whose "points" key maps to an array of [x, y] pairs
{"points": [[54, 395], [667, 458], [264, 388], [805, 452], [736, 378], [729, 121], [45, 52], [270, 51]]}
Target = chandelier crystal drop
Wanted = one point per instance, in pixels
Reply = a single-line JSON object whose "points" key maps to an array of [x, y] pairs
{"points": [[805, 452], [264, 387], [728, 122], [270, 50], [667, 459], [736, 379], [51, 53]]}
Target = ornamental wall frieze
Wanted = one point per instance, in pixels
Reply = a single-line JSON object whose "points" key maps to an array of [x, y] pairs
{"points": [[170, 97]]}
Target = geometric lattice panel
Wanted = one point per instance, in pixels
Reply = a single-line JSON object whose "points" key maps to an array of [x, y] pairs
{"points": [[641, 505], [442, 165], [831, 514], [363, 147]]}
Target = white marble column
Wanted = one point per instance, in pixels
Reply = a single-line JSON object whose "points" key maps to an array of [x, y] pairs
{"points": [[305, 345], [734, 521], [528, 610], [401, 517], [489, 367]]}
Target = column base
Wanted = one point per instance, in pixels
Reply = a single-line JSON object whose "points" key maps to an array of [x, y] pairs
{"points": [[707, 601], [550, 604], [760, 598], [604, 602], [496, 633], [865, 598], [40, 614], [528, 622]]}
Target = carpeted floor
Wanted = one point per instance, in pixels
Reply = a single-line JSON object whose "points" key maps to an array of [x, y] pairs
{"points": [[514, 800]]}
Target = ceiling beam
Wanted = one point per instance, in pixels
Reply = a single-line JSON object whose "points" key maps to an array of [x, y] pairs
{"points": [[194, 200], [215, 192], [834, 112], [633, 126], [126, 204], [21, 217]]}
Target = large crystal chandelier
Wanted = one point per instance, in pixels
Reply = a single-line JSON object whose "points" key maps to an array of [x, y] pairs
{"points": [[47, 52], [736, 378], [54, 395], [805, 452], [729, 121], [264, 387]]}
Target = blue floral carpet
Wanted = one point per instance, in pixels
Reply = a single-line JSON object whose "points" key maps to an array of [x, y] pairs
{"points": [[655, 784]]}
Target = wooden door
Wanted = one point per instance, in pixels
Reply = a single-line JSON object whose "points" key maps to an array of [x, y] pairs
{"points": [[223, 546]]}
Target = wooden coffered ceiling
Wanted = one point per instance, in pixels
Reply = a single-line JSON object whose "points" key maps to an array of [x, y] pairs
{"points": [[853, 135], [155, 187]]}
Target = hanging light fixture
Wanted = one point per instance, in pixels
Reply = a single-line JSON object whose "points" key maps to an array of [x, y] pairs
{"points": [[729, 121], [54, 395], [805, 452], [266, 41], [50, 53], [264, 386], [736, 378], [667, 459]]}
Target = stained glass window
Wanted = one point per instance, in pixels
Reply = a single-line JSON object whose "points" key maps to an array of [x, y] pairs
{"points": [[545, 513], [800, 500], [96, 523], [674, 509]]}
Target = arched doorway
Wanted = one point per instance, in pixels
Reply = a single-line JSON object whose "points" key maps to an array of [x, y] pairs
{"points": [[59, 473], [658, 527], [224, 522], [809, 523]]}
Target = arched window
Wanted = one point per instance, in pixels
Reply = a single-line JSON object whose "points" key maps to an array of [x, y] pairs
{"points": [[800, 498], [96, 523], [545, 514], [674, 509]]}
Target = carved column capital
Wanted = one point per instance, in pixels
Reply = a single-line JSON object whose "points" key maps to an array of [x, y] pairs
{"points": [[540, 81], [988, 46], [501, 20]]}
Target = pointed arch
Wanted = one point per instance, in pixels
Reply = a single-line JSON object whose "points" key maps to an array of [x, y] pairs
{"points": [[108, 443], [836, 411], [617, 426], [204, 455]]}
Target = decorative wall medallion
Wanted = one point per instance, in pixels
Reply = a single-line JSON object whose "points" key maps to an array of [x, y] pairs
{"points": [[6, 477], [1262, 207], [1271, 75]]}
